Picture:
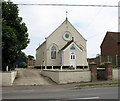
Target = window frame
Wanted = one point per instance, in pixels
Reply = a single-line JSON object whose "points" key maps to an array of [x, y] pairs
{"points": [[52, 52], [73, 48]]}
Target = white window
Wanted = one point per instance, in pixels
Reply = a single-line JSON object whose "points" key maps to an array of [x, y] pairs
{"points": [[53, 52]]}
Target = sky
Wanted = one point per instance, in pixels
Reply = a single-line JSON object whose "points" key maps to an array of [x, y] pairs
{"points": [[91, 22]]}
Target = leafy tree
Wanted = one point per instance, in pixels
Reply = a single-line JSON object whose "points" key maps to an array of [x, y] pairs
{"points": [[30, 57], [14, 35], [98, 56], [23, 64]]}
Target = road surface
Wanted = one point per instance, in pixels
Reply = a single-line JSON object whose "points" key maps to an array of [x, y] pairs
{"points": [[68, 92]]}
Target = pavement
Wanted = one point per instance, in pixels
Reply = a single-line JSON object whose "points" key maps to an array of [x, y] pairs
{"points": [[31, 76]]}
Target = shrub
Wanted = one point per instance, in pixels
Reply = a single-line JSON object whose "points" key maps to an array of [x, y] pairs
{"points": [[23, 64], [114, 66], [102, 65]]}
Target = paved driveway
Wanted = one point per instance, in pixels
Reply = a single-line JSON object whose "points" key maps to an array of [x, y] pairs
{"points": [[31, 76]]}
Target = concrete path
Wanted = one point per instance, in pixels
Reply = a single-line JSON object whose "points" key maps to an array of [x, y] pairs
{"points": [[31, 76]]}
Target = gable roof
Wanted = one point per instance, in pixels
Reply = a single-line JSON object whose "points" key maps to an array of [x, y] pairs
{"points": [[66, 21], [114, 35], [41, 45], [69, 43]]}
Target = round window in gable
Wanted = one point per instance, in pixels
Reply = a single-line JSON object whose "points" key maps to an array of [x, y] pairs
{"points": [[66, 35]]}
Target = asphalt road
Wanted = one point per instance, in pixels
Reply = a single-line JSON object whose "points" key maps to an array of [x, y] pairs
{"points": [[68, 92]]}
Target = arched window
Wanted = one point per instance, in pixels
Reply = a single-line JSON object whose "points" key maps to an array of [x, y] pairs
{"points": [[53, 52], [72, 48]]}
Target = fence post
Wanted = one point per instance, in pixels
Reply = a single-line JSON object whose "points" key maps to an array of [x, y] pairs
{"points": [[108, 59], [45, 67], [61, 68], [41, 67], [6, 68], [93, 68], [116, 60], [52, 67], [108, 69]]}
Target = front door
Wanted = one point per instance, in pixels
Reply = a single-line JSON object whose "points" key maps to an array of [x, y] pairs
{"points": [[72, 59]]}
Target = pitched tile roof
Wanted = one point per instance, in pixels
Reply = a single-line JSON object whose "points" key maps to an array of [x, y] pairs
{"points": [[115, 36], [69, 44]]}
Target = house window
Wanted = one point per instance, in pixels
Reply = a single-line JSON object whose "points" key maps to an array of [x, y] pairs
{"points": [[53, 52], [72, 48], [66, 35]]}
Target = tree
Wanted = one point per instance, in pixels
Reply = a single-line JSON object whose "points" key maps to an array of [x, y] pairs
{"points": [[23, 65], [30, 57], [98, 56], [14, 35]]}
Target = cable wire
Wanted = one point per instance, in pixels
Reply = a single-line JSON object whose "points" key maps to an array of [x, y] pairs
{"points": [[69, 5]]}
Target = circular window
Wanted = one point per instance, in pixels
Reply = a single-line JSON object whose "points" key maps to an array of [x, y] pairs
{"points": [[66, 35]]}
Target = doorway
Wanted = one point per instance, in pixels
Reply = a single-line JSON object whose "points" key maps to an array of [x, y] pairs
{"points": [[73, 59]]}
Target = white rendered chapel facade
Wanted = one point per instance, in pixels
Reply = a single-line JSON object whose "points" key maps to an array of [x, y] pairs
{"points": [[64, 47]]}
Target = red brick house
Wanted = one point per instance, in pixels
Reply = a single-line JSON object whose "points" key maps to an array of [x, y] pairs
{"points": [[110, 46]]}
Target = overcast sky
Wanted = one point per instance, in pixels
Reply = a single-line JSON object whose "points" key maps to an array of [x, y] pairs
{"points": [[91, 22]]}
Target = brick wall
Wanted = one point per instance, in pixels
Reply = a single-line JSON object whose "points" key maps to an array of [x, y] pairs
{"points": [[109, 47], [31, 62]]}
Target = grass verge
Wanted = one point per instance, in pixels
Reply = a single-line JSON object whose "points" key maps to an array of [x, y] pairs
{"points": [[83, 85]]}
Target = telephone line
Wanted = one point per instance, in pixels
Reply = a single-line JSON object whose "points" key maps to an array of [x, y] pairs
{"points": [[69, 5]]}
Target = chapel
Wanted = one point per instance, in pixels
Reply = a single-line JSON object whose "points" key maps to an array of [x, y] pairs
{"points": [[65, 46]]}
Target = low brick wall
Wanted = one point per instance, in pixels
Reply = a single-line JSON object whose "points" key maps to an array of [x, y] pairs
{"points": [[68, 76], [115, 74], [8, 78]]}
